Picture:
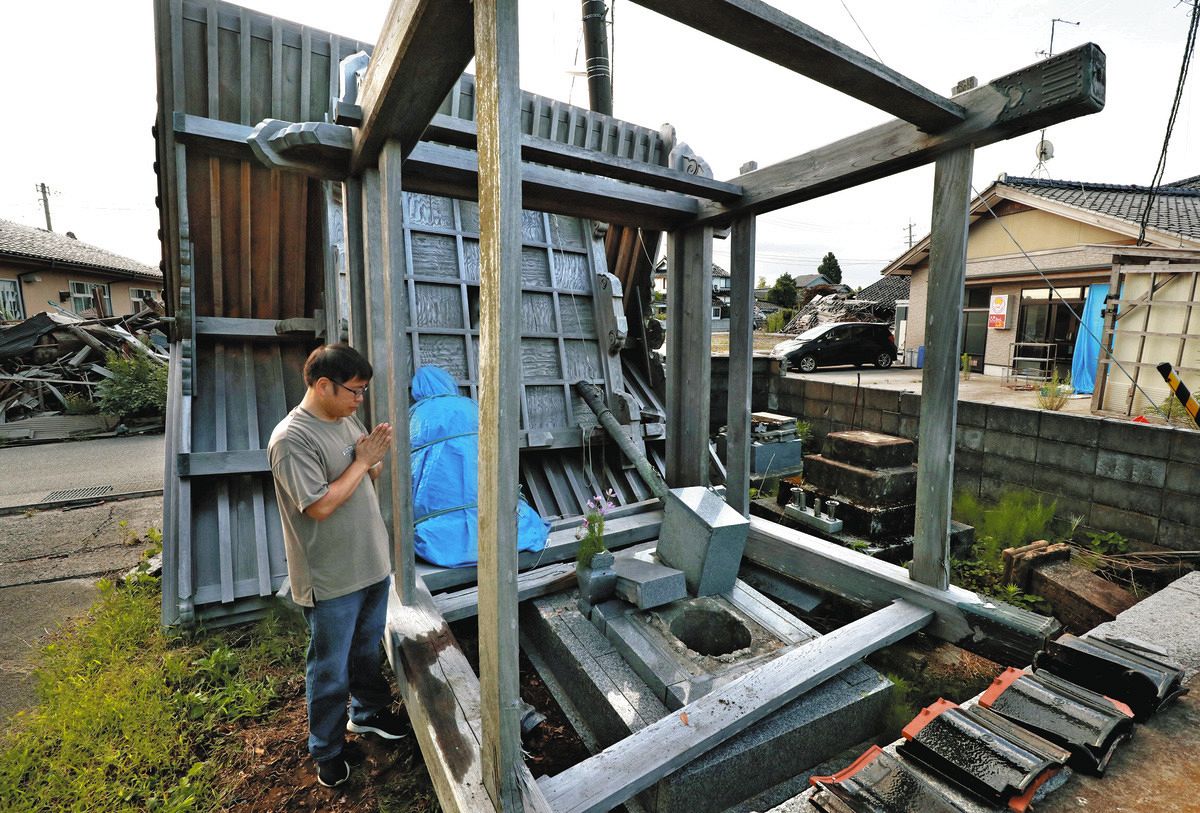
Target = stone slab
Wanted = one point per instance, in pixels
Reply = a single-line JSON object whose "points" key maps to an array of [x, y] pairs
{"points": [[864, 487], [1168, 619], [870, 450], [646, 583], [702, 536]]}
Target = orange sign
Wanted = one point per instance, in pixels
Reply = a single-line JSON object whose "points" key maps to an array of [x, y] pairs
{"points": [[998, 312]]}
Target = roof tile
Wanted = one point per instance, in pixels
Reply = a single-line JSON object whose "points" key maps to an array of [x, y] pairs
{"points": [[27, 242]]}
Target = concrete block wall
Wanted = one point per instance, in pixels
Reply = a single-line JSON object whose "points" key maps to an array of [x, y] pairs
{"points": [[1140, 480]]}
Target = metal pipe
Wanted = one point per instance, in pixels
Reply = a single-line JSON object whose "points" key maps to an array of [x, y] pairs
{"points": [[594, 398], [595, 51]]}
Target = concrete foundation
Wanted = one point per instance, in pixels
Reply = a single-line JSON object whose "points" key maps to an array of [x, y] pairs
{"points": [[607, 700]]}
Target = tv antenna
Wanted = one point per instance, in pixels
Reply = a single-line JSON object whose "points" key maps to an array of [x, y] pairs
{"points": [[1044, 149]]}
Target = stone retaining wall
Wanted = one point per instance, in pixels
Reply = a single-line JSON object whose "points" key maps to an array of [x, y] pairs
{"points": [[1140, 480]]}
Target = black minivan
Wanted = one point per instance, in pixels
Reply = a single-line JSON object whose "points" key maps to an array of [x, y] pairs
{"points": [[856, 343]]}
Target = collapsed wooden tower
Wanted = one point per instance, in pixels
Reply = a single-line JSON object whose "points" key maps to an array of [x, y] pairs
{"points": [[260, 188]]}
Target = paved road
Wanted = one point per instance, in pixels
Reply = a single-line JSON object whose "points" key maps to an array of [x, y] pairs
{"points": [[28, 474]]}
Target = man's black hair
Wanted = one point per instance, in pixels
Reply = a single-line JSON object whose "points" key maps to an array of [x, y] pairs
{"points": [[337, 362]]}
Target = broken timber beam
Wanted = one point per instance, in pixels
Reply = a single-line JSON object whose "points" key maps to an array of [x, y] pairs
{"points": [[767, 32], [422, 51], [1063, 87], [1005, 634], [638, 761]]}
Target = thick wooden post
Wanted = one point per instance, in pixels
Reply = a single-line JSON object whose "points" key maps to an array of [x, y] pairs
{"points": [[741, 364], [498, 113], [352, 223], [396, 377], [939, 379], [689, 354]]}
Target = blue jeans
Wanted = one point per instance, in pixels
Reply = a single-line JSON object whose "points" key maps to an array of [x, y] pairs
{"points": [[343, 659]]}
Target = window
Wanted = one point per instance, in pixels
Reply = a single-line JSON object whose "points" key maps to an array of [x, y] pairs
{"points": [[136, 295], [81, 296], [10, 301], [974, 329], [1046, 318]]}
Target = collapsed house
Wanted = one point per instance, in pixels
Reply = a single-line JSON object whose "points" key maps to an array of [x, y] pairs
{"points": [[498, 235]]}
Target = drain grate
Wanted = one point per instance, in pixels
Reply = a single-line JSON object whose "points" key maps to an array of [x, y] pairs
{"points": [[77, 493]]}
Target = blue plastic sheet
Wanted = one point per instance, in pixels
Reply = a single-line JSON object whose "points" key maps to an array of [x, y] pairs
{"points": [[444, 433], [1087, 342]]}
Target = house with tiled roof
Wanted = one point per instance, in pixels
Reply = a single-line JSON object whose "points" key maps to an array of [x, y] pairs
{"points": [[1036, 250], [41, 269]]}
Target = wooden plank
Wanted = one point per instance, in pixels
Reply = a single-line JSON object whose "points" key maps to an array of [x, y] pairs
{"points": [[422, 51], [964, 618], [939, 378], [767, 32], [245, 204], [741, 359], [531, 584], [641, 759], [258, 504], [352, 226], [462, 133], [1063, 87], [689, 342], [223, 463], [258, 329], [244, 66], [221, 444], [218, 274], [498, 99], [212, 62]]}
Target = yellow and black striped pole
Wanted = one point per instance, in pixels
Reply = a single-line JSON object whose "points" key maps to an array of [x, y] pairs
{"points": [[1181, 391]]}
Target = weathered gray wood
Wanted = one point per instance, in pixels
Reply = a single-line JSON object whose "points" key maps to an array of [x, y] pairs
{"points": [[356, 269], [531, 584], [689, 352], [766, 31], [257, 329], [462, 133], [561, 546], [939, 378], [393, 374], [205, 464], [422, 51], [638, 761], [309, 148], [1063, 87], [979, 624], [498, 96], [741, 356]]}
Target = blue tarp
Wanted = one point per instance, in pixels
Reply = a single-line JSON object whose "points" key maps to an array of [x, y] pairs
{"points": [[1087, 342], [444, 432]]}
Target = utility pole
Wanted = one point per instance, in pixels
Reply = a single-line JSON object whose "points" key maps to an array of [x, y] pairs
{"points": [[909, 229], [45, 190], [1044, 151], [595, 52]]}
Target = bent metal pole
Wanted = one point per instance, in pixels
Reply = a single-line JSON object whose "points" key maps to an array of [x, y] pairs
{"points": [[594, 398]]}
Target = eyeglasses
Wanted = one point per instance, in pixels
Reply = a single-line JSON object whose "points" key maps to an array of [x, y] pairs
{"points": [[361, 392]]}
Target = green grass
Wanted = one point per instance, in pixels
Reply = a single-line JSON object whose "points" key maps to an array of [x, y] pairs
{"points": [[1017, 518], [129, 716]]}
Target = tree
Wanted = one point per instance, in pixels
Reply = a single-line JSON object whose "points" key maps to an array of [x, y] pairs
{"points": [[762, 282], [783, 292], [830, 269]]}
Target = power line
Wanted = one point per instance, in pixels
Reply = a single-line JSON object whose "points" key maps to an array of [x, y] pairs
{"points": [[860, 30]]}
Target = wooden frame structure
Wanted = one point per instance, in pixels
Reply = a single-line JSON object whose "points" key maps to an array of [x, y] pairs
{"points": [[467, 724]]}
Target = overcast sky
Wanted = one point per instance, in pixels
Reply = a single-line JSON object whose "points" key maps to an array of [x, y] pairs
{"points": [[82, 102]]}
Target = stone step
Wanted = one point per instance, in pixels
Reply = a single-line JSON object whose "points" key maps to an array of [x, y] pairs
{"points": [[866, 487], [870, 450]]}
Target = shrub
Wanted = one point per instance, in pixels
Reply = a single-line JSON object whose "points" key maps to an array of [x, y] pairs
{"points": [[1053, 393], [1017, 518], [137, 389]]}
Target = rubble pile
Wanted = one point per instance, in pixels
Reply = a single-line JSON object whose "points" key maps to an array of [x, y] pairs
{"points": [[837, 307], [53, 363]]}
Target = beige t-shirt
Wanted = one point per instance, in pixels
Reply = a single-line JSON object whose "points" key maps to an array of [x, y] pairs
{"points": [[346, 551]]}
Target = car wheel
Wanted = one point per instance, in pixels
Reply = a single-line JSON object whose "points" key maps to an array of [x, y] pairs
{"points": [[883, 361], [807, 364]]}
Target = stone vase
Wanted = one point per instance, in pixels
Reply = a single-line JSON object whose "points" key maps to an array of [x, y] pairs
{"points": [[597, 581]]}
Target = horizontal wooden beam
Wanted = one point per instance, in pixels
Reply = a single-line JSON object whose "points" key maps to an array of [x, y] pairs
{"points": [[236, 328], [241, 461], [1060, 88], [1004, 633], [530, 584], [641, 759], [561, 546], [766, 31], [422, 51], [462, 133]]}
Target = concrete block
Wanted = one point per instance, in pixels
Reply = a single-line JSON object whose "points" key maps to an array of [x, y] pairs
{"points": [[1168, 619], [843, 412], [884, 400], [1128, 496], [1127, 523], [972, 413], [1014, 421], [910, 427], [870, 450], [910, 403], [702, 536], [1066, 456], [1183, 477], [646, 583], [1181, 508], [814, 409], [889, 423], [818, 390], [1061, 483], [968, 438], [1009, 469], [1082, 430], [966, 460], [1006, 444], [1130, 468], [1176, 535], [1185, 445], [871, 420], [863, 486], [1136, 438]]}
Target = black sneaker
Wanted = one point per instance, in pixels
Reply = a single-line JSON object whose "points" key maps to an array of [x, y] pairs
{"points": [[333, 772], [385, 723]]}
